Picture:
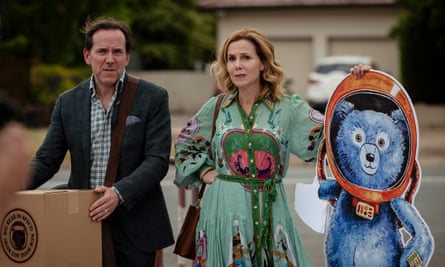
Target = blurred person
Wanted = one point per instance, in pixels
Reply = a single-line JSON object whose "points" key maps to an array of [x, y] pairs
{"points": [[82, 122], [245, 219], [15, 152]]}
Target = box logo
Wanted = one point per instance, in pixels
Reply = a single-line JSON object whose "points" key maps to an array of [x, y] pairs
{"points": [[18, 235]]}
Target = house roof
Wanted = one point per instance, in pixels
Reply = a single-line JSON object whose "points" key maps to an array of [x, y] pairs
{"points": [[216, 4]]}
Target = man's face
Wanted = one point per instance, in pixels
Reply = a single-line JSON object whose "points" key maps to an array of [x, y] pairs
{"points": [[107, 57]]}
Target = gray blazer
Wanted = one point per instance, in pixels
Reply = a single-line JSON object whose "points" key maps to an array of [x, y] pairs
{"points": [[144, 160]]}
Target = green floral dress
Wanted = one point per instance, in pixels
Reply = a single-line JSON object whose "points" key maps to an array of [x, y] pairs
{"points": [[245, 219]]}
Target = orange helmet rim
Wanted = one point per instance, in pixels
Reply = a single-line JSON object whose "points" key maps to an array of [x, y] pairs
{"points": [[378, 84]]}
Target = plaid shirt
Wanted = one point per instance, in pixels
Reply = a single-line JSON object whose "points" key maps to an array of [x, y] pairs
{"points": [[101, 134]]}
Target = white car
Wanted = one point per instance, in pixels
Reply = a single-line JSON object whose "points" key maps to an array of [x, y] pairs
{"points": [[328, 73]]}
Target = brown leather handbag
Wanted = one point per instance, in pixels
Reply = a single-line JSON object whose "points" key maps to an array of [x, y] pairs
{"points": [[185, 243]]}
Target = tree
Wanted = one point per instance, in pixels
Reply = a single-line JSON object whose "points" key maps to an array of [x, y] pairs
{"points": [[171, 34], [421, 37], [48, 31], [168, 34], [41, 42]]}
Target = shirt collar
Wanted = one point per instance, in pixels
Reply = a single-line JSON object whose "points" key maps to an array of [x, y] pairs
{"points": [[232, 98], [118, 84]]}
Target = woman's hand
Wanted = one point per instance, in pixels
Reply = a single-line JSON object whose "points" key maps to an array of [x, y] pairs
{"points": [[360, 70], [209, 177]]}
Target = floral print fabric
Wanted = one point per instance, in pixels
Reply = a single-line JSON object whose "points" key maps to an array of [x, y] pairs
{"points": [[245, 219]]}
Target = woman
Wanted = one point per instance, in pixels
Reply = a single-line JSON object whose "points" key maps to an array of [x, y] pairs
{"points": [[245, 219]]}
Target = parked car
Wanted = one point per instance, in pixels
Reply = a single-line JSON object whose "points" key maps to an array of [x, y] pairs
{"points": [[328, 73]]}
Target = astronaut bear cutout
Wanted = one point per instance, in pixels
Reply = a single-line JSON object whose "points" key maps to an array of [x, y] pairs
{"points": [[370, 148]]}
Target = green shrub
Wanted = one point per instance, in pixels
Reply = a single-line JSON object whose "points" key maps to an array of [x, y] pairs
{"points": [[48, 81]]}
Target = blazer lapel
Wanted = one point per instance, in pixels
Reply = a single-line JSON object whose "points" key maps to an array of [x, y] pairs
{"points": [[83, 117]]}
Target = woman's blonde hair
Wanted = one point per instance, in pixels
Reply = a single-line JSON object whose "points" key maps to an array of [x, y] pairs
{"points": [[271, 78]]}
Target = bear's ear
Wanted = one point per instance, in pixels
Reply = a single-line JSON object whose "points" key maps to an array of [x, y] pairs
{"points": [[342, 109], [399, 121]]}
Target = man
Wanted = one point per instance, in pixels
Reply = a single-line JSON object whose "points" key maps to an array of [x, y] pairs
{"points": [[82, 122], [15, 152]]}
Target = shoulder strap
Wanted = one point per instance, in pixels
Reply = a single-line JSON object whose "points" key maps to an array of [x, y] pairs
{"points": [[215, 116], [117, 135]]}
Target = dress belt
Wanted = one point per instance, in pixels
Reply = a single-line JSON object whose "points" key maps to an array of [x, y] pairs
{"points": [[262, 225]]}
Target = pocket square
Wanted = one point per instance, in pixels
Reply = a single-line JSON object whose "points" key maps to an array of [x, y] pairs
{"points": [[132, 120]]}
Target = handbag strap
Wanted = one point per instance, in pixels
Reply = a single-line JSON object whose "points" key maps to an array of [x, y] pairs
{"points": [[215, 116], [117, 135]]}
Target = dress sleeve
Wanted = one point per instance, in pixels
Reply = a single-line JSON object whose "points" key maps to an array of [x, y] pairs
{"points": [[306, 129], [192, 146]]}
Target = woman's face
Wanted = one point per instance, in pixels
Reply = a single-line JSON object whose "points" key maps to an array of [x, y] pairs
{"points": [[244, 65]]}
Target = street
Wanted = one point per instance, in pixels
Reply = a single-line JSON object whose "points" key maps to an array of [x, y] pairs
{"points": [[429, 201]]}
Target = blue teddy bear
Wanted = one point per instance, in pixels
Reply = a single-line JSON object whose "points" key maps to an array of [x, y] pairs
{"points": [[370, 149]]}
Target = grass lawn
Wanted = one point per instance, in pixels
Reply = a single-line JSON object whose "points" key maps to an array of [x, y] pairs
{"points": [[35, 138]]}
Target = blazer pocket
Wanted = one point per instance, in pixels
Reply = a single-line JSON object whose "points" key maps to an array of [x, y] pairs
{"points": [[131, 119]]}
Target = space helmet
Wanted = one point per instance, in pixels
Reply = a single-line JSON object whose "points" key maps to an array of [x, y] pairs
{"points": [[380, 92]]}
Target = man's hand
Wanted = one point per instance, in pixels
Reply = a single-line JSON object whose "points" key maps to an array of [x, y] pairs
{"points": [[105, 205]]}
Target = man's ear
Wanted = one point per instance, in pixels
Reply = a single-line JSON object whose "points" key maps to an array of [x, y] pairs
{"points": [[128, 59], [86, 56]]}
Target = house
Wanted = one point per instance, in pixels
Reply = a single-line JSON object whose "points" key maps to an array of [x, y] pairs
{"points": [[305, 30]]}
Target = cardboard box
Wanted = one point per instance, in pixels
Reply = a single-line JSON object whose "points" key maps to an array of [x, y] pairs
{"points": [[50, 228]]}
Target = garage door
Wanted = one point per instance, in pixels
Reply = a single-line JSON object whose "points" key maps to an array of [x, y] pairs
{"points": [[295, 56]]}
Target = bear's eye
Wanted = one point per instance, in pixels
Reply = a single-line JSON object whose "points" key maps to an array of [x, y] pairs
{"points": [[382, 140], [358, 136]]}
